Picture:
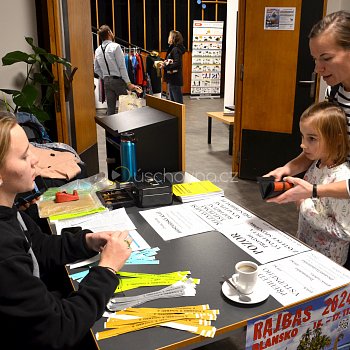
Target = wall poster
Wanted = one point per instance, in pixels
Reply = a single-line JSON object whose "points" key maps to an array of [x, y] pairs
{"points": [[206, 58], [279, 18]]}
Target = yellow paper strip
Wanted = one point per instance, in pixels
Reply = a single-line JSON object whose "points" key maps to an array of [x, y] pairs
{"points": [[132, 283], [192, 321], [195, 308]]}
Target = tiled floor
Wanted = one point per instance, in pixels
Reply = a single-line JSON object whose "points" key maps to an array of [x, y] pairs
{"points": [[213, 162]]}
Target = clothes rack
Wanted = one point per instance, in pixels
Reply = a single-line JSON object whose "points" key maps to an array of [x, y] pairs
{"points": [[125, 43]]}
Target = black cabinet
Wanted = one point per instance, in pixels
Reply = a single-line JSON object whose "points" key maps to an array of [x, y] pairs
{"points": [[158, 145]]}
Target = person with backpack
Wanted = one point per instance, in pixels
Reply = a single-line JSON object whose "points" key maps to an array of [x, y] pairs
{"points": [[109, 65], [329, 42]]}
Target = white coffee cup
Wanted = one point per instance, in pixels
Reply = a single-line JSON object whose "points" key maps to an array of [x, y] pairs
{"points": [[246, 276]]}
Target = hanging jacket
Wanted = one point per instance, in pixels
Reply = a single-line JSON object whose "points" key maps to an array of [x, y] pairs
{"points": [[154, 73], [140, 74]]}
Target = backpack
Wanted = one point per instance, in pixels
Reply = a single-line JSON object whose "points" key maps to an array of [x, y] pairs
{"points": [[34, 130]]}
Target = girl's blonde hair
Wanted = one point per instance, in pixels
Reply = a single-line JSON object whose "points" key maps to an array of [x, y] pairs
{"points": [[330, 121], [7, 122]]}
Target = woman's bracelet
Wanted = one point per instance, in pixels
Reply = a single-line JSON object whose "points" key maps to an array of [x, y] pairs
{"points": [[110, 269], [314, 191]]}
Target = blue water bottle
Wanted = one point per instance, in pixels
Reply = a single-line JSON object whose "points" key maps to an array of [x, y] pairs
{"points": [[128, 156]]}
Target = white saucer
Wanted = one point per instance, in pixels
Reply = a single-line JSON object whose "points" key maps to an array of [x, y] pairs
{"points": [[259, 294]]}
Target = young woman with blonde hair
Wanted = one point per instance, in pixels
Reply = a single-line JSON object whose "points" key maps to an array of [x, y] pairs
{"points": [[34, 315]]}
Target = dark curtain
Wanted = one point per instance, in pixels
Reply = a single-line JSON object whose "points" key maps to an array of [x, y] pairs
{"points": [[181, 20], [167, 22], [152, 20], [152, 25], [136, 23], [121, 19], [104, 12]]}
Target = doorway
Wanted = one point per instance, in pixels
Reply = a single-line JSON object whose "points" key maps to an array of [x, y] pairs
{"points": [[274, 84]]}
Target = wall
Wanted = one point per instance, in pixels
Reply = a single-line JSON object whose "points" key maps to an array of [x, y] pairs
{"points": [[17, 20], [230, 59]]}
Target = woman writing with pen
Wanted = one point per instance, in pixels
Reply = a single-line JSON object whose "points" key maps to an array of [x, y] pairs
{"points": [[34, 316]]}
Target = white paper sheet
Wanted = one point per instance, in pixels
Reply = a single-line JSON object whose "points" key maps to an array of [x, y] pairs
{"points": [[175, 221], [302, 276], [261, 240], [220, 210], [115, 220]]}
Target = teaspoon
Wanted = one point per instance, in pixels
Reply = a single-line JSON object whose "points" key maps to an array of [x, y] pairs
{"points": [[242, 297]]}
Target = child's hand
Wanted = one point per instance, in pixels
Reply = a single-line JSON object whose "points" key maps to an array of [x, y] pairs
{"points": [[301, 190]]}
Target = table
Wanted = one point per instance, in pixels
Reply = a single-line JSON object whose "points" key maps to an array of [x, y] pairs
{"points": [[225, 119], [208, 256]]}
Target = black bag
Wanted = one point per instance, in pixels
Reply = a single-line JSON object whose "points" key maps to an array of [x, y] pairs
{"points": [[33, 132], [270, 188]]}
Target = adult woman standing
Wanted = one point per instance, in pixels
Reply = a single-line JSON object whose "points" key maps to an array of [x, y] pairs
{"points": [[36, 317], [173, 66], [329, 42]]}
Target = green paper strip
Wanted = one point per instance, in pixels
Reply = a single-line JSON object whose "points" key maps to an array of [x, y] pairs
{"points": [[75, 215]]}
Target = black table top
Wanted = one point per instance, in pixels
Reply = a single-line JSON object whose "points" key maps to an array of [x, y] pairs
{"points": [[208, 256], [131, 120]]}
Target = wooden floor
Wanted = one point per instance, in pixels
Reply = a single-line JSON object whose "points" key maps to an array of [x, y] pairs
{"points": [[212, 162]]}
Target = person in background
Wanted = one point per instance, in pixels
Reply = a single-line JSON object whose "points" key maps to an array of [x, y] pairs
{"points": [[35, 316], [109, 65], [173, 66], [329, 42], [324, 223]]}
